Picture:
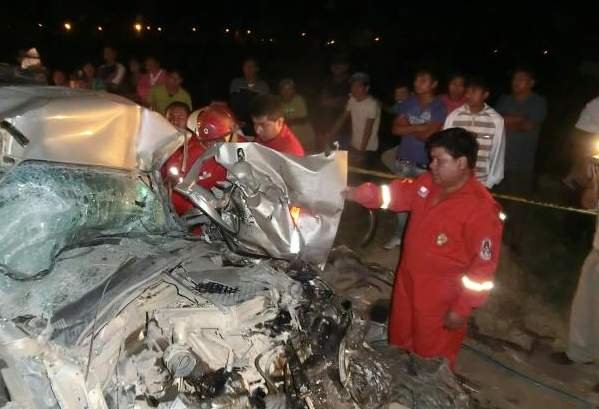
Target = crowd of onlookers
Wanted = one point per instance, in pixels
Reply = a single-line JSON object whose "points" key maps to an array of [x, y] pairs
{"points": [[347, 112]]}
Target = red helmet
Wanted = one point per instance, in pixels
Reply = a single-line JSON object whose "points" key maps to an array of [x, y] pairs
{"points": [[215, 121]]}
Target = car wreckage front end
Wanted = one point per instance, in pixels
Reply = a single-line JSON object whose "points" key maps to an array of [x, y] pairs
{"points": [[108, 302]]}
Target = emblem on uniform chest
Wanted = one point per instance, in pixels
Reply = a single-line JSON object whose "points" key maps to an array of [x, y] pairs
{"points": [[423, 192], [485, 250], [442, 239]]}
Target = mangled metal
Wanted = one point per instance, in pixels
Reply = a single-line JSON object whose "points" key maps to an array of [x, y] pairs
{"points": [[107, 304], [275, 205], [84, 127]]}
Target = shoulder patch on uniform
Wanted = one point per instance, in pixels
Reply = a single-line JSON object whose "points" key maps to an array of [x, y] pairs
{"points": [[423, 191], [486, 249]]}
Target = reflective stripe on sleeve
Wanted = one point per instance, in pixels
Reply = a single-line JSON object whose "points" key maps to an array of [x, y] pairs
{"points": [[386, 195], [477, 286]]}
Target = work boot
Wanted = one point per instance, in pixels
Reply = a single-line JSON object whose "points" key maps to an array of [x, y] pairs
{"points": [[393, 243], [561, 358]]}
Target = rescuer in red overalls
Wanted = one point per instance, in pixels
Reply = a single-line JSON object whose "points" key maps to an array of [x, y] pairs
{"points": [[451, 246], [209, 125]]}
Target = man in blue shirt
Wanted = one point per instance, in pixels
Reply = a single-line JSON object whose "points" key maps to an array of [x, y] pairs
{"points": [[420, 116], [524, 112]]}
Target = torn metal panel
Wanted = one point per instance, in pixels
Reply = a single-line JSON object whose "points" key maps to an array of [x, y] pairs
{"points": [[278, 206], [85, 127]]}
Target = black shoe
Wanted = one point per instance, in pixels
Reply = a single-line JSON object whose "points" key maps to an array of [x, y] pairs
{"points": [[561, 358]]}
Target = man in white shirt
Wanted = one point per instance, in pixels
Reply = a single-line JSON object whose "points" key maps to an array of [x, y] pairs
{"points": [[488, 126], [583, 144], [583, 339], [364, 112]]}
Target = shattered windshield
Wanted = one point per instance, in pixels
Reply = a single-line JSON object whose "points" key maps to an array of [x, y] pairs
{"points": [[46, 208]]}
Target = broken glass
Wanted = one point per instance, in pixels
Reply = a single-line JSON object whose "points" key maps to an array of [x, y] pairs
{"points": [[48, 207]]}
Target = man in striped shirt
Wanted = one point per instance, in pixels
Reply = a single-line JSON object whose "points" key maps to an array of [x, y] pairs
{"points": [[488, 126]]}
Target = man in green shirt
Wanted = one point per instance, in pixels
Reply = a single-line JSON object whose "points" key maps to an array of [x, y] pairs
{"points": [[161, 96]]}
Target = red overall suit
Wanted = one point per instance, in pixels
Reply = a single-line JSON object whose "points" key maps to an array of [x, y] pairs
{"points": [[214, 123], [449, 257], [285, 142]]}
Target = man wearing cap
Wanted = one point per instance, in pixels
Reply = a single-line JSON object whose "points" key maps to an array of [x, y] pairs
{"points": [[451, 248], [364, 112]]}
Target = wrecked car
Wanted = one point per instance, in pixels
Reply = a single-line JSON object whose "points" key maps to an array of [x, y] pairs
{"points": [[109, 302]]}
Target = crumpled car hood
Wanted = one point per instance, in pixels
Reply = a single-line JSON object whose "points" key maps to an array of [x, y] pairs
{"points": [[85, 128]]}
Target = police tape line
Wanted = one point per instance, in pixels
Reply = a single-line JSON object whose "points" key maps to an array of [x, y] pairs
{"points": [[385, 175]]}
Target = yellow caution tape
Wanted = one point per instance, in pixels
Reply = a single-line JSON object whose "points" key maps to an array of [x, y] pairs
{"points": [[385, 175]]}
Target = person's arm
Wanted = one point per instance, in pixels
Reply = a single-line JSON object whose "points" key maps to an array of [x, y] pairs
{"points": [[300, 114], [483, 233], [529, 122], [265, 87], [367, 134], [449, 120], [401, 127], [497, 155], [344, 117], [589, 198], [374, 112], [328, 101], [153, 101], [119, 75], [234, 87], [518, 123], [397, 196]]}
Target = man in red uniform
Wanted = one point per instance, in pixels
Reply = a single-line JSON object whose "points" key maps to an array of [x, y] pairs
{"points": [[451, 248], [271, 129], [210, 125]]}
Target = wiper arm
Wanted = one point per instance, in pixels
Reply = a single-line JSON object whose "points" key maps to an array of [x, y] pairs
{"points": [[15, 133]]}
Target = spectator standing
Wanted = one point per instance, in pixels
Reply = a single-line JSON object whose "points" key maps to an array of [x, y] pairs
{"points": [[364, 114], [244, 89], [524, 112], [161, 96], [89, 79], [488, 126], [420, 117], [154, 75], [296, 113], [456, 93], [112, 72], [59, 78], [334, 96]]}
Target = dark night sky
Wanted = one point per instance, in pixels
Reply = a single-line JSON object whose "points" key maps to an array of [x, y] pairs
{"points": [[450, 35], [504, 23]]}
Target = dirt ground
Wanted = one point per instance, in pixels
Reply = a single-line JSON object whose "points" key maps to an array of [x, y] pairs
{"points": [[505, 361]]}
